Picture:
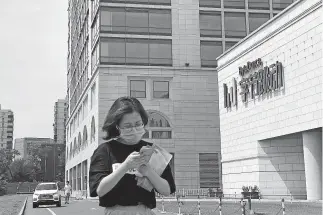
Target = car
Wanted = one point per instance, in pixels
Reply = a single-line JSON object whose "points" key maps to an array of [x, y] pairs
{"points": [[47, 194]]}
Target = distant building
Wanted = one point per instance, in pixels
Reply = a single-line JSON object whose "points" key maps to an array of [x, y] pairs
{"points": [[51, 155], [6, 128], [60, 116], [22, 144]]}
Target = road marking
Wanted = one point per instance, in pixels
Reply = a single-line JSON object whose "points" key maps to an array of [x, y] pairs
{"points": [[52, 212]]}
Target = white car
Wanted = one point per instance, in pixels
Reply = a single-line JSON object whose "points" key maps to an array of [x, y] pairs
{"points": [[46, 194]]}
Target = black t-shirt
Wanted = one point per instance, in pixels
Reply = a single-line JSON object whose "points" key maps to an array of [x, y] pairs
{"points": [[126, 192]]}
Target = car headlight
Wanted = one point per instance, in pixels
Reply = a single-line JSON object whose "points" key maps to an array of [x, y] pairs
{"points": [[56, 195], [35, 196]]}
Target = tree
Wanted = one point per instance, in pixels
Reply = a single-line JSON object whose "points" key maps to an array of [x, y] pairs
{"points": [[22, 170], [6, 158]]}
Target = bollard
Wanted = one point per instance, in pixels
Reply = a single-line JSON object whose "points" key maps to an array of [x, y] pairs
{"points": [[179, 207], [235, 197], [283, 206], [163, 206], [243, 209], [199, 204], [291, 199], [249, 201], [220, 206]]}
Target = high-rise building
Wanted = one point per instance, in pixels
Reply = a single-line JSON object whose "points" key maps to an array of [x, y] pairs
{"points": [[60, 116], [164, 53], [6, 128]]}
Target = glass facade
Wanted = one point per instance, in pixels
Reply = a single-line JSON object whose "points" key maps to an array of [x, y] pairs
{"points": [[230, 22]]}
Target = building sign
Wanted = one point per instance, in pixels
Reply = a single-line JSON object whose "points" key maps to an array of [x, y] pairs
{"points": [[256, 80]]}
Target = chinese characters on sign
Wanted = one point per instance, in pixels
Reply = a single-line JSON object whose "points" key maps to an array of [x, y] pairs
{"points": [[256, 80]]}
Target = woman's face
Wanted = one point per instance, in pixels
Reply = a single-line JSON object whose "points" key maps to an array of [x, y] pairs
{"points": [[130, 120], [131, 128]]}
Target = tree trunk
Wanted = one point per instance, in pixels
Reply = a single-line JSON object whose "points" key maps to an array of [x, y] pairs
{"points": [[10, 172]]}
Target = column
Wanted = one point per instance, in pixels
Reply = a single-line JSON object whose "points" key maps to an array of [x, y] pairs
{"points": [[82, 173], [312, 146]]}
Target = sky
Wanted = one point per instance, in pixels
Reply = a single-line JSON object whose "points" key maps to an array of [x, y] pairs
{"points": [[33, 51]]}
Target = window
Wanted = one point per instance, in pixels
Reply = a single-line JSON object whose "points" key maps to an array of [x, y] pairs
{"points": [[240, 4], [158, 126], [136, 52], [84, 137], [256, 20], [136, 21], [281, 4], [74, 147], [258, 4], [210, 24], [235, 25], [95, 57], [172, 164], [153, 2], [93, 94], [209, 170], [67, 151], [71, 150], [74, 178], [210, 50], [85, 170], [92, 130], [138, 88], [229, 44], [161, 89], [79, 177], [210, 3], [79, 145]]}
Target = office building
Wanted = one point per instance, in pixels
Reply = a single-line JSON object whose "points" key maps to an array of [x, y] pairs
{"points": [[6, 128], [164, 53], [60, 116], [270, 88]]}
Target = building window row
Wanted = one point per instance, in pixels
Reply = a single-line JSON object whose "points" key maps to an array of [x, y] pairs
{"points": [[78, 176], [136, 21], [128, 51], [79, 143], [160, 88], [149, 2], [79, 36], [79, 116], [234, 23], [209, 169], [252, 4]]}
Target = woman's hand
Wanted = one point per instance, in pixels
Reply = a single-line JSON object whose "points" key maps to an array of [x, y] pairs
{"points": [[146, 152], [144, 170], [135, 160]]}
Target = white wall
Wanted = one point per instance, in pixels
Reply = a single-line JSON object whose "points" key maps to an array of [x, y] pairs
{"points": [[295, 39]]}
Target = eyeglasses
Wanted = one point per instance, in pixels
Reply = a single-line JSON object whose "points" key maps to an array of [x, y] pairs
{"points": [[129, 128]]}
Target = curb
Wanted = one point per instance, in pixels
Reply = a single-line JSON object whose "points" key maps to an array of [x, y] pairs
{"points": [[22, 211]]}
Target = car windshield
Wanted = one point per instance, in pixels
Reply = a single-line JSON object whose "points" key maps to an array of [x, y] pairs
{"points": [[46, 187]]}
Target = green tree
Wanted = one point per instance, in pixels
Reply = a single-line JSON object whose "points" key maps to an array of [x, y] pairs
{"points": [[22, 170], [6, 157]]}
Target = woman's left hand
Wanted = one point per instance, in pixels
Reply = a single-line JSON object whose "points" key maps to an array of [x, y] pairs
{"points": [[144, 170]]}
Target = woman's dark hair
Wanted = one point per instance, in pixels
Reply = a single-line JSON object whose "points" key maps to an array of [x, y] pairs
{"points": [[119, 108]]}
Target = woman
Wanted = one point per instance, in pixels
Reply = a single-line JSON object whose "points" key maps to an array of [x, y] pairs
{"points": [[111, 175]]}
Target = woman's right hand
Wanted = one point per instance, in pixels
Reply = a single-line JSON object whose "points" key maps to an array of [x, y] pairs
{"points": [[135, 160]]}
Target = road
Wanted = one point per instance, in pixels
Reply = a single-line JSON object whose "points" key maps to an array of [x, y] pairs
{"points": [[86, 207], [77, 207]]}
